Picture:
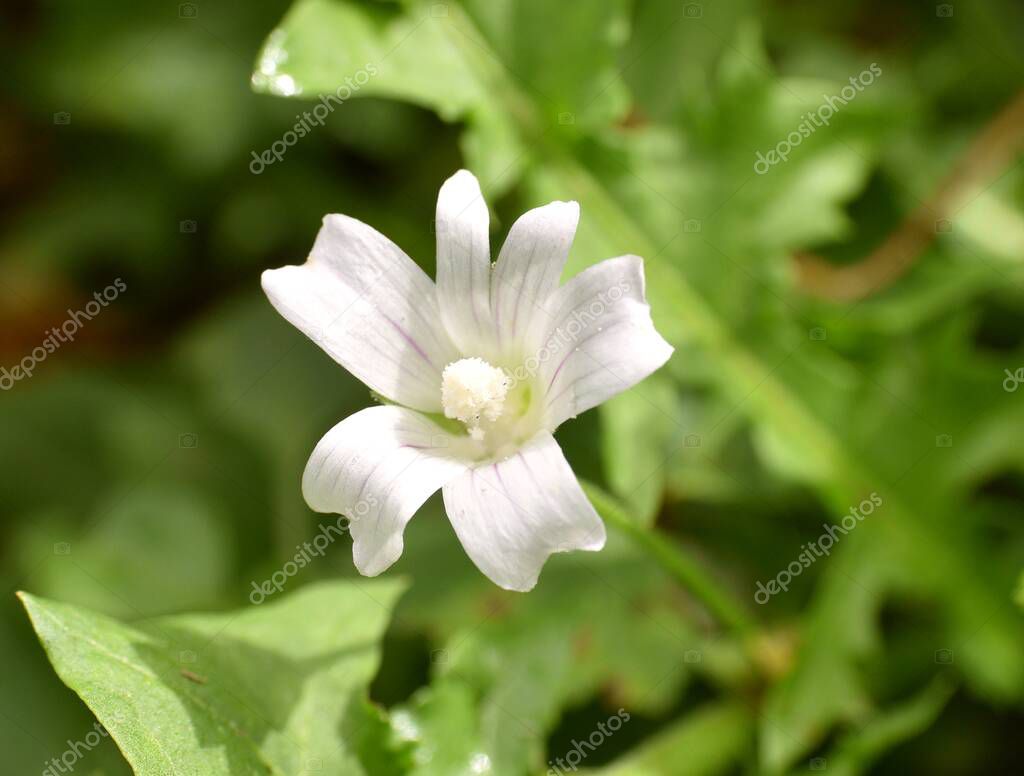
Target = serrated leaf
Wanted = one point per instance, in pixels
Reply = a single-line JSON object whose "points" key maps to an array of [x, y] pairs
{"points": [[276, 689]]}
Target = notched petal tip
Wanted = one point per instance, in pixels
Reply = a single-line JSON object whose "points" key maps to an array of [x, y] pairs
{"points": [[375, 467], [526, 584], [524, 587], [462, 180], [346, 226], [512, 515], [370, 563], [597, 543], [272, 281], [266, 279], [461, 205], [569, 212]]}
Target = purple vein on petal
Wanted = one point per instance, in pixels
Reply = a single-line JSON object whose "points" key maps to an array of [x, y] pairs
{"points": [[555, 375], [406, 336]]}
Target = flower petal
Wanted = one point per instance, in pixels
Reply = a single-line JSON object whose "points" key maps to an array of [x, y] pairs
{"points": [[464, 263], [511, 515], [602, 340], [529, 266], [368, 305], [377, 467]]}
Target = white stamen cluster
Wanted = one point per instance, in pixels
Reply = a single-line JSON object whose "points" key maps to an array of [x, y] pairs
{"points": [[472, 390]]}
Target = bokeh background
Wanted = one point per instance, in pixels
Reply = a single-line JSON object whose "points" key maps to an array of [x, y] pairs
{"points": [[847, 323]]}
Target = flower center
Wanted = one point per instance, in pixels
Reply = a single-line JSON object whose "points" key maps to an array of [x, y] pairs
{"points": [[472, 390]]}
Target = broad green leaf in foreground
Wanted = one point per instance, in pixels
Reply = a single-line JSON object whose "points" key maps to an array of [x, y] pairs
{"points": [[150, 550], [277, 689], [709, 741]]}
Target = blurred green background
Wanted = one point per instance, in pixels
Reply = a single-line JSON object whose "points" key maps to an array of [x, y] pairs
{"points": [[848, 322]]}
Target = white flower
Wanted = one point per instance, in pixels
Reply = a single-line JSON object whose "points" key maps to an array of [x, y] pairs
{"points": [[481, 369]]}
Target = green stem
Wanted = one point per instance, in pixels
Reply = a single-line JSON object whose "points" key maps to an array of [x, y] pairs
{"points": [[676, 562]]}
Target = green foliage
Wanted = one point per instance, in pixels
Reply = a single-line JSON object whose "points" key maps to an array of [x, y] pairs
{"points": [[243, 692], [710, 740], [154, 466]]}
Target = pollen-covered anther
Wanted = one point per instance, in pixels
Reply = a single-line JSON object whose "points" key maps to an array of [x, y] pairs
{"points": [[472, 390]]}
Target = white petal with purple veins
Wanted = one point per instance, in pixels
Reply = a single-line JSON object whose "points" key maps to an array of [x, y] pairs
{"points": [[377, 467], [371, 308], [610, 343], [511, 515], [464, 264], [529, 267]]}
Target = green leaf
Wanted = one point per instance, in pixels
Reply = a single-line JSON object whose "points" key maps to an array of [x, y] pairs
{"points": [[333, 50], [431, 54], [276, 689], [710, 740], [825, 686], [149, 550], [440, 722], [639, 430], [573, 79], [602, 625], [855, 752], [670, 59]]}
